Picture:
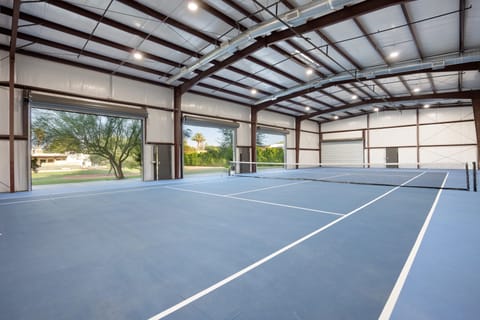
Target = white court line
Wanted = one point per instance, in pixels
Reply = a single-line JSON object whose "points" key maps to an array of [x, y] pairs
{"points": [[267, 188], [397, 289], [257, 201], [234, 276]]}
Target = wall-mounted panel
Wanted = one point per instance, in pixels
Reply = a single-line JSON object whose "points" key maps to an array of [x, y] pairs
{"points": [[393, 137], [309, 157], [407, 157], [159, 126], [345, 124], [56, 76], [445, 114], [310, 126], [454, 155], [393, 118], [213, 107], [138, 92], [4, 167], [309, 140], [357, 134], [450, 133], [276, 119]]}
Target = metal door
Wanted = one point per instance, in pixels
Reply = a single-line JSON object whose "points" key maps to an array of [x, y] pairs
{"points": [[244, 153], [392, 157], [162, 162]]}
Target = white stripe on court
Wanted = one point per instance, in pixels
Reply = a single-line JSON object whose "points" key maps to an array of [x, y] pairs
{"points": [[245, 270], [257, 201], [267, 188], [397, 289]]}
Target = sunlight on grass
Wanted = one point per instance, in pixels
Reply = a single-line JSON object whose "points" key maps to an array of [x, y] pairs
{"points": [[79, 175]]}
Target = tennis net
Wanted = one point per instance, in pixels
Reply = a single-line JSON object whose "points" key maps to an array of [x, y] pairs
{"points": [[453, 176]]}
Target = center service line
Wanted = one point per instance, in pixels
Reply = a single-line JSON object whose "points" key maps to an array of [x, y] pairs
{"points": [[234, 276]]}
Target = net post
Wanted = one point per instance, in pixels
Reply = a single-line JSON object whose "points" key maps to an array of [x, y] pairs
{"points": [[468, 176], [474, 176]]}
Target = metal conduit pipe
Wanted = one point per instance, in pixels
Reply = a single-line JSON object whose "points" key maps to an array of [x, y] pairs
{"points": [[294, 18], [372, 74]]}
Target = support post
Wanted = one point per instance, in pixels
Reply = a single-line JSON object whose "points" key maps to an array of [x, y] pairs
{"points": [[253, 136], [298, 132], [177, 132], [11, 93], [476, 117]]}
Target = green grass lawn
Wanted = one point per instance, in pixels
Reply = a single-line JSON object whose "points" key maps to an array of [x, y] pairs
{"points": [[187, 170], [79, 175]]}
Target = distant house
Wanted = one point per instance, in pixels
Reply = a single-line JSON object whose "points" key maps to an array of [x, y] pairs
{"points": [[67, 159]]}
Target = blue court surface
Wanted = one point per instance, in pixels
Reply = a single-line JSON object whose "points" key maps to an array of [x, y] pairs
{"points": [[238, 248]]}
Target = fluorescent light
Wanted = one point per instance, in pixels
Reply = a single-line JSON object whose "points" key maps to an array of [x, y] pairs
{"points": [[394, 54], [192, 6], [137, 55], [253, 91]]}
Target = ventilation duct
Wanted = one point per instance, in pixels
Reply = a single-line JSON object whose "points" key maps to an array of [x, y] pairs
{"points": [[293, 18]]}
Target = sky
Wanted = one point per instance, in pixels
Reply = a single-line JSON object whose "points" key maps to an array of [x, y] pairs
{"points": [[212, 136]]}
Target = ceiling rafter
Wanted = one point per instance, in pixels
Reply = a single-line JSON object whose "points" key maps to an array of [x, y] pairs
{"points": [[233, 23], [416, 43], [125, 28], [445, 95], [335, 17]]}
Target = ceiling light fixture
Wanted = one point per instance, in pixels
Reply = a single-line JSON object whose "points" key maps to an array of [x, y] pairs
{"points": [[253, 91], [192, 6], [426, 106], [354, 97], [335, 117], [416, 90], [307, 108], [394, 54], [309, 71], [376, 109], [137, 55]]}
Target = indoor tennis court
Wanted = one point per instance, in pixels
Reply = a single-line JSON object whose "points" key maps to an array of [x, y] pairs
{"points": [[239, 159]]}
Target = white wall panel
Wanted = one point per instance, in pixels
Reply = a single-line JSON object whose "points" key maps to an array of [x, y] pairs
{"points": [[445, 114], [377, 156], [213, 107], [159, 126], [290, 139], [243, 134], [393, 118], [309, 140], [17, 109], [147, 162], [346, 124], [407, 156], [56, 76], [310, 126], [135, 91], [309, 157], [357, 134], [276, 119], [290, 156], [22, 168], [4, 66], [451, 133], [346, 152], [448, 154], [4, 166], [405, 136]]}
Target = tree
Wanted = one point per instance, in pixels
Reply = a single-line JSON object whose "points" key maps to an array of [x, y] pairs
{"points": [[260, 139], [199, 139], [113, 139]]}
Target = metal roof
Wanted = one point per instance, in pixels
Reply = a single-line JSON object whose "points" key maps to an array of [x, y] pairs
{"points": [[384, 53]]}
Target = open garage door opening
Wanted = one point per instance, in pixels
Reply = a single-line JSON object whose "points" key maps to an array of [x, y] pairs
{"points": [[208, 146], [72, 147]]}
